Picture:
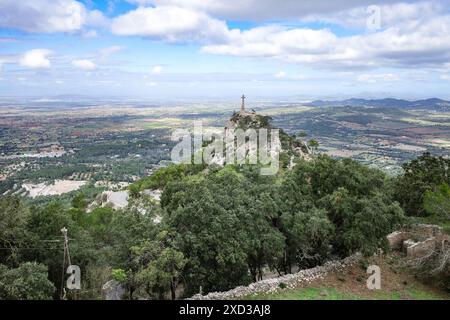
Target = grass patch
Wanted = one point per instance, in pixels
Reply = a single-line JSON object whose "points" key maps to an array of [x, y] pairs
{"points": [[408, 293], [304, 294]]}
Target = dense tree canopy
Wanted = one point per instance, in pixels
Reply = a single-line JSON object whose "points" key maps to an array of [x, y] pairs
{"points": [[420, 175], [233, 222], [219, 227], [437, 202], [13, 234], [29, 281]]}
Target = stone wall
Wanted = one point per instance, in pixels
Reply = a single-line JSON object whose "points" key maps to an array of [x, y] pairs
{"points": [[289, 280], [397, 238], [425, 231], [425, 238], [418, 240], [422, 248]]}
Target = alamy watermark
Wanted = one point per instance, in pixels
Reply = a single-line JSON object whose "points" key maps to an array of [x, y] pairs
{"points": [[373, 22], [229, 146], [74, 280]]}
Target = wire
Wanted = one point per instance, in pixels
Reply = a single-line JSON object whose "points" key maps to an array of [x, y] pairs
{"points": [[30, 248]]}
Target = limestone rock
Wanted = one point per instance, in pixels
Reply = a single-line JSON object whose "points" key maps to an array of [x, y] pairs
{"points": [[113, 290], [396, 239], [420, 249]]}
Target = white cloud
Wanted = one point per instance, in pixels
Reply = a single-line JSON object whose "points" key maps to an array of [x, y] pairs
{"points": [[375, 78], [47, 15], [36, 59], [280, 74], [140, 2], [425, 44], [7, 40], [108, 51], [412, 34], [90, 34], [170, 24], [265, 9], [391, 14], [276, 41], [157, 69], [84, 64]]}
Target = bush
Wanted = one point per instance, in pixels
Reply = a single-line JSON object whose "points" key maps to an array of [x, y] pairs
{"points": [[27, 282], [119, 275], [422, 175]]}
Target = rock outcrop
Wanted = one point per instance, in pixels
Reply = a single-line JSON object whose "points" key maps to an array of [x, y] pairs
{"points": [[290, 145], [113, 290]]}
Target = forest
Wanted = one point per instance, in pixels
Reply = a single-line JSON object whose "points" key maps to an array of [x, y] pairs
{"points": [[220, 227]]}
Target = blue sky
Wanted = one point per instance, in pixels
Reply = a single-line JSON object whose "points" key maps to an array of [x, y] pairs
{"points": [[161, 49]]}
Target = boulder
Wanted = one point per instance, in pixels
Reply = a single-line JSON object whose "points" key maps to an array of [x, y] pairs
{"points": [[396, 239]]}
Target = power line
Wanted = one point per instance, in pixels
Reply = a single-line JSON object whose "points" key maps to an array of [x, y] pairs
{"points": [[31, 248], [38, 248]]}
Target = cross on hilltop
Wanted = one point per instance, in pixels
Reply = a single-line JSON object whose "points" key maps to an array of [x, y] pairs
{"points": [[243, 103]]}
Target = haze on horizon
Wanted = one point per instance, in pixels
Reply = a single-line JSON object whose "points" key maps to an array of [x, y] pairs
{"points": [[189, 49]]}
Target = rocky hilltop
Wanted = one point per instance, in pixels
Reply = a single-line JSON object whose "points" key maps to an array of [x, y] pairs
{"points": [[246, 120], [291, 146]]}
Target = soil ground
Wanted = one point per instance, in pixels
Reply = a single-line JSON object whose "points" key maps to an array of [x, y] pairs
{"points": [[397, 283]]}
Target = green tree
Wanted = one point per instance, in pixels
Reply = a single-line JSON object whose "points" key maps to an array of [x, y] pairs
{"points": [[361, 223], [134, 191], [119, 275], [264, 243], [27, 282], [313, 144], [309, 236], [14, 215], [437, 203], [420, 175], [160, 266], [79, 201], [45, 226], [339, 192], [205, 213]]}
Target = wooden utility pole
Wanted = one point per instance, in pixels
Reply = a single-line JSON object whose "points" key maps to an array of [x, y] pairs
{"points": [[66, 253]]}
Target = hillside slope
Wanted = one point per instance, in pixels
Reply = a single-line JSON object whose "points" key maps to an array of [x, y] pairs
{"points": [[397, 283]]}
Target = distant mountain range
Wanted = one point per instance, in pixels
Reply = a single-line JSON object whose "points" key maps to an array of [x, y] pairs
{"points": [[388, 102]]}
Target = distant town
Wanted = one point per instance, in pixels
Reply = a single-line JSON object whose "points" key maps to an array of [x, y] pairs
{"points": [[79, 145]]}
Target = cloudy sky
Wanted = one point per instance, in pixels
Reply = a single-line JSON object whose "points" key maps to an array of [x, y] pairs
{"points": [[221, 48]]}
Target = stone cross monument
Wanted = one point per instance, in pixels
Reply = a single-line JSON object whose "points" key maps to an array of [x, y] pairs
{"points": [[243, 104]]}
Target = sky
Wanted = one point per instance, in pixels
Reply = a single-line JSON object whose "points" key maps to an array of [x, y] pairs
{"points": [[180, 49]]}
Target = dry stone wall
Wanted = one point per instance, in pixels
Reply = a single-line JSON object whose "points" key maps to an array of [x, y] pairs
{"points": [[289, 280], [418, 240]]}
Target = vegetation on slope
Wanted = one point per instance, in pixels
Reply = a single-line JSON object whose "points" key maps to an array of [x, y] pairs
{"points": [[220, 228], [397, 283]]}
